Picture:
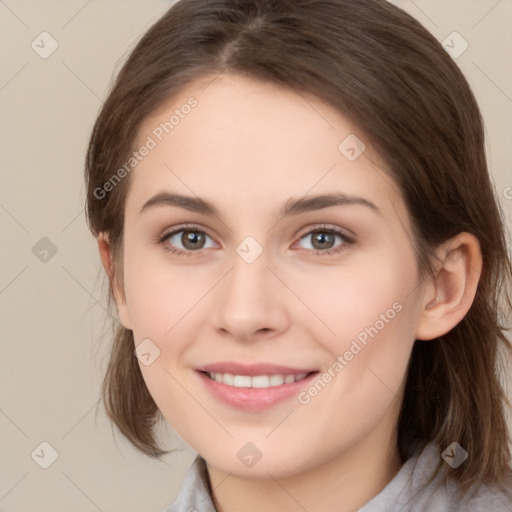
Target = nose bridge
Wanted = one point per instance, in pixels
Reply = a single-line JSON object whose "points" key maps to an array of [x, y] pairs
{"points": [[248, 299], [249, 275]]}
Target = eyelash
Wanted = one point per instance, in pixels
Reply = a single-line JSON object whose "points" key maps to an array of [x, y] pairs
{"points": [[322, 229]]}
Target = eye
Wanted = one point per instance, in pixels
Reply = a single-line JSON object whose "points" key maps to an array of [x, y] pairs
{"points": [[185, 240], [323, 240]]}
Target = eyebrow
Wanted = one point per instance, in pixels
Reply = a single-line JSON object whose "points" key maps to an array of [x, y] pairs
{"points": [[290, 208]]}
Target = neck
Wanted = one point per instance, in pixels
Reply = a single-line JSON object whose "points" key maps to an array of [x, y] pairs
{"points": [[344, 483]]}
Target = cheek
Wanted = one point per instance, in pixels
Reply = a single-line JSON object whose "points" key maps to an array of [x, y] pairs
{"points": [[375, 356], [160, 297], [372, 312], [365, 299], [166, 305]]}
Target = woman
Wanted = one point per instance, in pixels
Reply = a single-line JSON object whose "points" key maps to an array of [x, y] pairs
{"points": [[293, 208]]}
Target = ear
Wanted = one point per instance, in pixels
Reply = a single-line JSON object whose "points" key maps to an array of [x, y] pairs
{"points": [[449, 297], [107, 260]]}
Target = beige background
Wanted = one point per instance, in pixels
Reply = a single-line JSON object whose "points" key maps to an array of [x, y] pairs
{"points": [[53, 330]]}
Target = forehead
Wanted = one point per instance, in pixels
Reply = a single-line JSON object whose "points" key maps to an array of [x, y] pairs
{"points": [[254, 144]]}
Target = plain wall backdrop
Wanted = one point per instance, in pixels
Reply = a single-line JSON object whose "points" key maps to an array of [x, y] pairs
{"points": [[54, 327]]}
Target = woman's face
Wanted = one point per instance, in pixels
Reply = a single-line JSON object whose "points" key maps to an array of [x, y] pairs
{"points": [[275, 284]]}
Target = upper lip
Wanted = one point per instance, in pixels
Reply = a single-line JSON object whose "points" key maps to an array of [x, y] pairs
{"points": [[252, 369]]}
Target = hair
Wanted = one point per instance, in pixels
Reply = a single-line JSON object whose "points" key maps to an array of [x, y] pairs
{"points": [[384, 72]]}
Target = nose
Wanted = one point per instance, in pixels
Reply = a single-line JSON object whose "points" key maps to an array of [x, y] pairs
{"points": [[250, 301]]}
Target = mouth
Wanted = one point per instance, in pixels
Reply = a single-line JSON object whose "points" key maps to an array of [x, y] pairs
{"points": [[254, 387]]}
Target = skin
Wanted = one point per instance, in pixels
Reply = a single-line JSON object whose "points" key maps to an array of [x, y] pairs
{"points": [[247, 148]]}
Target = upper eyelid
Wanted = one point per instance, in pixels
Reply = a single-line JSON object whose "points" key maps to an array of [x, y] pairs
{"points": [[327, 227], [186, 227]]}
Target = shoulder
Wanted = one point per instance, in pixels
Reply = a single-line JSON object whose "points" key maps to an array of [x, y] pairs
{"points": [[415, 489], [487, 499]]}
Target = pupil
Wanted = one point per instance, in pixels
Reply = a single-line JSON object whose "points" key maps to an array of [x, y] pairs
{"points": [[322, 238], [192, 238]]}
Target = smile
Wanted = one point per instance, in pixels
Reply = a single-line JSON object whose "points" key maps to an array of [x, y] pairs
{"points": [[254, 387], [256, 381]]}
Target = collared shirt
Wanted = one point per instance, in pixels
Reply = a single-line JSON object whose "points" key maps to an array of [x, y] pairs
{"points": [[405, 493]]}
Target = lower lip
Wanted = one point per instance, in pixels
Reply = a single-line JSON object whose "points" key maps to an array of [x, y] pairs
{"points": [[254, 399]]}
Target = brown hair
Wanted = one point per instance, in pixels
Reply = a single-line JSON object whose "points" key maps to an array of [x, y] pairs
{"points": [[380, 68]]}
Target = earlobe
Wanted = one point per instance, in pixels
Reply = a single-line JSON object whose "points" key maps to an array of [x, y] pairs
{"points": [[449, 298], [107, 261]]}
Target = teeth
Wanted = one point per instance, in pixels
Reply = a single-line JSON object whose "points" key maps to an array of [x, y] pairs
{"points": [[276, 380], [258, 381], [241, 381]]}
